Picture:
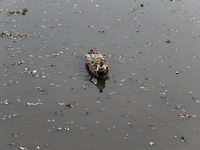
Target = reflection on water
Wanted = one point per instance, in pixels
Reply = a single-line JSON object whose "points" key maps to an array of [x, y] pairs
{"points": [[100, 84]]}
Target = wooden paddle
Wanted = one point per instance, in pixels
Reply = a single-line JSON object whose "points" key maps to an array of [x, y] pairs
{"points": [[92, 77]]}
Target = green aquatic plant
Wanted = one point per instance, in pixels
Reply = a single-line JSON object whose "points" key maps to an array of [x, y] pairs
{"points": [[68, 105], [52, 65], [3, 34], [107, 77], [141, 5], [11, 12], [24, 11], [184, 138]]}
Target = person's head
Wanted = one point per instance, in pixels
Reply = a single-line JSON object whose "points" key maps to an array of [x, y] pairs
{"points": [[101, 63]]}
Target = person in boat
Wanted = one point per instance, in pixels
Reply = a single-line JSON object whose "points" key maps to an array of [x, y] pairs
{"points": [[101, 69], [92, 52]]}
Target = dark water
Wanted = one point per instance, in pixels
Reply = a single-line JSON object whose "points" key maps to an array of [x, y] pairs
{"points": [[135, 106]]}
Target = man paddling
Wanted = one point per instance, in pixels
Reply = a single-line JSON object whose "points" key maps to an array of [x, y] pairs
{"points": [[101, 69]]}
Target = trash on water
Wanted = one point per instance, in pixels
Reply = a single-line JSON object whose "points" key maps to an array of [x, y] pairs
{"points": [[18, 63], [5, 102], [69, 105], [120, 59], [151, 143], [61, 104], [11, 144], [181, 116], [51, 120], [198, 101], [136, 142], [33, 104], [9, 116], [30, 56], [22, 148], [59, 113], [41, 89], [115, 93], [184, 139], [63, 129]]}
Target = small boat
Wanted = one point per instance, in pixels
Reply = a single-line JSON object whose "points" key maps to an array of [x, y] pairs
{"points": [[93, 59]]}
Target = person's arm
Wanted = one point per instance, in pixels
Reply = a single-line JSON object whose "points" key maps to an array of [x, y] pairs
{"points": [[104, 67], [97, 69]]}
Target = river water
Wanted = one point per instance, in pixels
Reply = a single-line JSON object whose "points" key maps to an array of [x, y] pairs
{"points": [[153, 56]]}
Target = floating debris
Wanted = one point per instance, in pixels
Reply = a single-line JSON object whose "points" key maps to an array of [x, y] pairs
{"points": [[61, 104], [63, 129], [20, 35], [115, 93], [151, 143], [12, 144], [18, 63], [181, 116], [14, 12], [33, 104], [85, 113], [22, 148], [184, 139], [120, 59], [6, 117], [69, 105], [41, 89], [59, 113]]}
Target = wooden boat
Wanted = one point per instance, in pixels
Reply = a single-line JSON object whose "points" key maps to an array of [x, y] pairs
{"points": [[93, 59]]}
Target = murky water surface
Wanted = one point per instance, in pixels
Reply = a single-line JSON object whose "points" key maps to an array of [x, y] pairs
{"points": [[157, 80]]}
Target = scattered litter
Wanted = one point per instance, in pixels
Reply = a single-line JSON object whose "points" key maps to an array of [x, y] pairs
{"points": [[61, 104], [59, 113], [69, 105], [7, 35], [120, 59], [6, 117], [51, 120], [12, 144], [85, 113], [63, 129], [22, 148], [30, 56], [181, 116], [198, 101], [14, 12], [115, 93], [136, 142], [18, 63], [123, 80], [33, 104], [184, 139], [151, 143], [41, 89]]}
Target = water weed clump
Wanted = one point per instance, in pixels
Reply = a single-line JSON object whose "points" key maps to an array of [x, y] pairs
{"points": [[14, 12], [7, 35], [24, 11]]}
